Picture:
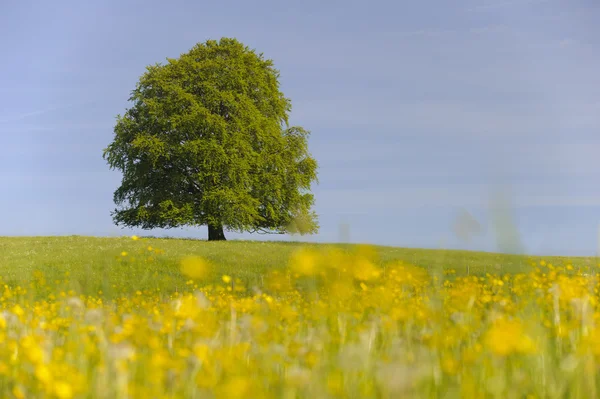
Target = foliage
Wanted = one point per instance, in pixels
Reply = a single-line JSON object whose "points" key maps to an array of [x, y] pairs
{"points": [[207, 142]]}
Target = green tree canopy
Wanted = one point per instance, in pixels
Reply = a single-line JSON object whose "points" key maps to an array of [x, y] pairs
{"points": [[207, 143]]}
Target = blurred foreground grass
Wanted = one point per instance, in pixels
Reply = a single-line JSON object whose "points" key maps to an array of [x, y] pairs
{"points": [[161, 318]]}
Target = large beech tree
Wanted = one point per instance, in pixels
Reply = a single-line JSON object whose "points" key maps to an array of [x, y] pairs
{"points": [[207, 142]]}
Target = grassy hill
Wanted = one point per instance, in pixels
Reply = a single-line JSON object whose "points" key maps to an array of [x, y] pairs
{"points": [[96, 263]]}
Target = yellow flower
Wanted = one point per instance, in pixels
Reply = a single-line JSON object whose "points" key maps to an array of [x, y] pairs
{"points": [[341, 290], [226, 279], [364, 270], [195, 267], [508, 336], [236, 387], [63, 390], [304, 262], [34, 354], [18, 392], [18, 310], [42, 372], [135, 238], [123, 253], [202, 352]]}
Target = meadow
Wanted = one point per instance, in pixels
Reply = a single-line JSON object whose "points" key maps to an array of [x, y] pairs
{"points": [[132, 317]]}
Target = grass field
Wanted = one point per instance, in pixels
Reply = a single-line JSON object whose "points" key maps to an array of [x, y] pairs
{"points": [[166, 318], [96, 263]]}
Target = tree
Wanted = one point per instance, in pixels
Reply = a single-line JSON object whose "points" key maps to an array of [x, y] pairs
{"points": [[207, 142]]}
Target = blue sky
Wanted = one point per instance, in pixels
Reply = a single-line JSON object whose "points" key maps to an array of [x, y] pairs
{"points": [[419, 111]]}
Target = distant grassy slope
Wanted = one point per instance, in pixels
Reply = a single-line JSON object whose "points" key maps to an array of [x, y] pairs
{"points": [[96, 263]]}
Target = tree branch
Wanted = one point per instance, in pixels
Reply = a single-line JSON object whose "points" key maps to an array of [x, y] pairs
{"points": [[260, 230]]}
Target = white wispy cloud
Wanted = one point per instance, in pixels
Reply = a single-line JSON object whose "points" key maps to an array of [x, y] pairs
{"points": [[565, 43], [494, 5], [357, 201], [25, 115], [56, 127]]}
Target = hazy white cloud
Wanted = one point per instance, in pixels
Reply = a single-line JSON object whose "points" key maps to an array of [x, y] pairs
{"points": [[16, 117], [492, 29], [91, 177], [377, 201], [443, 118], [54, 127], [452, 196], [25, 115], [493, 5], [565, 43]]}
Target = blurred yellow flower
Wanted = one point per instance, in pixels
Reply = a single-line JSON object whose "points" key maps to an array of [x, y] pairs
{"points": [[63, 390], [508, 336], [195, 267], [42, 372], [18, 310], [236, 387], [304, 262], [365, 270], [18, 392], [353, 328], [341, 290]]}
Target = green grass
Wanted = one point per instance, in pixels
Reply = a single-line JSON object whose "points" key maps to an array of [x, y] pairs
{"points": [[95, 263]]}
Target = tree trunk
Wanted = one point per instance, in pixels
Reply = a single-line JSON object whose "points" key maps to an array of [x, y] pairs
{"points": [[215, 233]]}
